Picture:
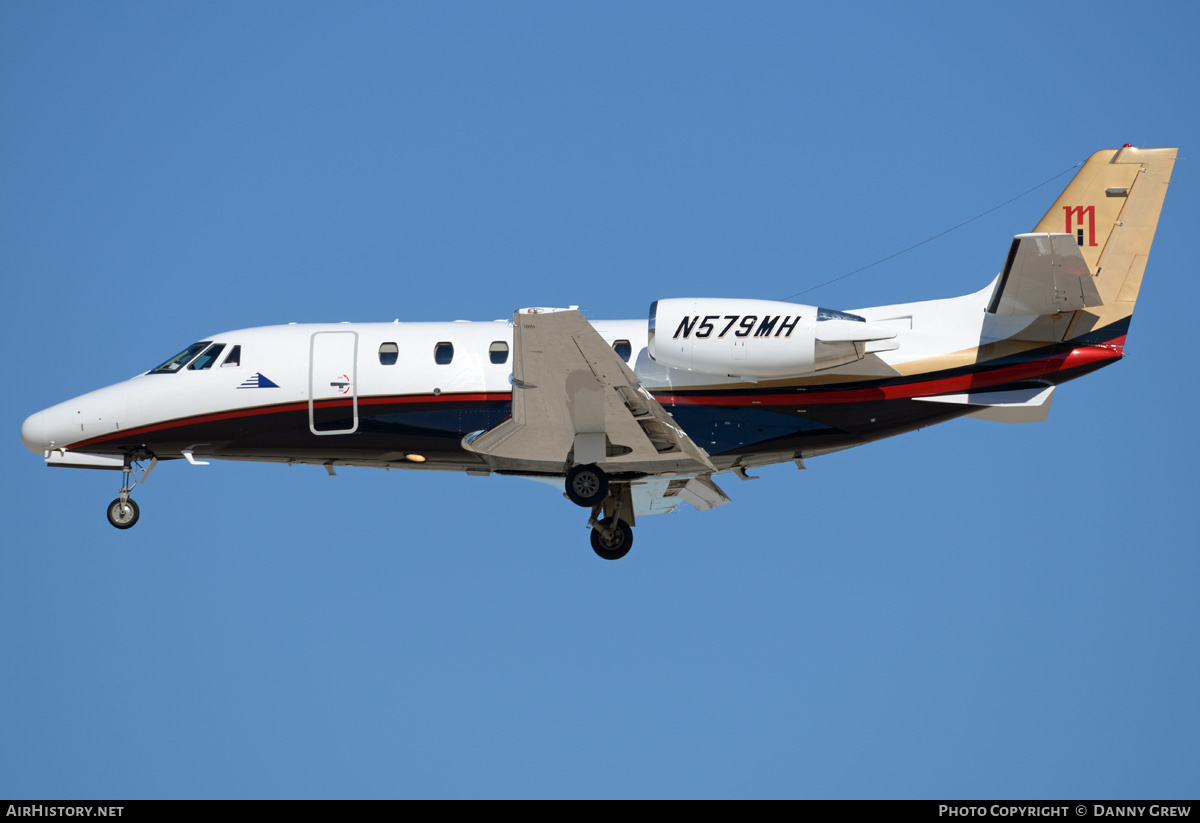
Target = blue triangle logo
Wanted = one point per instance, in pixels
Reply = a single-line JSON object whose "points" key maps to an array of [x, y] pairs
{"points": [[258, 381]]}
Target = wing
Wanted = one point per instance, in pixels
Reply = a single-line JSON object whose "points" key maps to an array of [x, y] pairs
{"points": [[575, 401]]}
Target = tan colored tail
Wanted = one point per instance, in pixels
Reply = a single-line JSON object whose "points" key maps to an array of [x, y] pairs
{"points": [[1112, 208]]}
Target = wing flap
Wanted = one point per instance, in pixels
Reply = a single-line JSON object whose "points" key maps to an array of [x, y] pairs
{"points": [[661, 495], [703, 493], [649, 495], [570, 389]]}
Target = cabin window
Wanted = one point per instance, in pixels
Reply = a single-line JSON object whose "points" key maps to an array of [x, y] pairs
{"points": [[623, 349], [180, 360], [498, 352], [234, 357], [443, 353], [209, 357], [389, 353]]}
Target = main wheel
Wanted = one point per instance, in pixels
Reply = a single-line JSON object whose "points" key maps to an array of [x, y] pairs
{"points": [[587, 485], [123, 514], [613, 541]]}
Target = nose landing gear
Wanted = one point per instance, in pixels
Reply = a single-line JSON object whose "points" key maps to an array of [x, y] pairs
{"points": [[123, 512]]}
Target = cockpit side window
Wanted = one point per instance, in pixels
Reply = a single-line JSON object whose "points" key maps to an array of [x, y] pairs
{"points": [[180, 360], [234, 358], [209, 357]]}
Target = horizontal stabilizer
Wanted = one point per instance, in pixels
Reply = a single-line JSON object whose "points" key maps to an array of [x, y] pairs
{"points": [[1044, 274], [1030, 405]]}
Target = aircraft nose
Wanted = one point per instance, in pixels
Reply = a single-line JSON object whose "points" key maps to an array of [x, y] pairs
{"points": [[33, 432]]}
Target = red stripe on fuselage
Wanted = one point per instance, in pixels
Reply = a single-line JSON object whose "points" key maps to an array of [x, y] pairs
{"points": [[1083, 356], [988, 378]]}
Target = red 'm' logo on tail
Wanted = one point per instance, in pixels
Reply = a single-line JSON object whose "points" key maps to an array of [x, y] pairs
{"points": [[1075, 214]]}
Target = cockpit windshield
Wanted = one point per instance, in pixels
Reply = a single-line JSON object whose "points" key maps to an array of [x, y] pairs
{"points": [[209, 357], [180, 360]]}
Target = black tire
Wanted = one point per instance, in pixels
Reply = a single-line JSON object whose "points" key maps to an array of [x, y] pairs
{"points": [[587, 485], [617, 544], [123, 515]]}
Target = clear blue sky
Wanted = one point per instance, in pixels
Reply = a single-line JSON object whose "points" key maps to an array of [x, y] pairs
{"points": [[973, 610]]}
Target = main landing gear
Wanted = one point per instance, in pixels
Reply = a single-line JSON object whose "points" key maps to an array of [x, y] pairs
{"points": [[587, 485], [611, 538], [612, 534]]}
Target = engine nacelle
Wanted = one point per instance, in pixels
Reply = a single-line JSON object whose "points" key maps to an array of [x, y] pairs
{"points": [[758, 338]]}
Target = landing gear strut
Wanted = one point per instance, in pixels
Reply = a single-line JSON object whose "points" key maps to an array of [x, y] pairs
{"points": [[123, 512], [612, 534]]}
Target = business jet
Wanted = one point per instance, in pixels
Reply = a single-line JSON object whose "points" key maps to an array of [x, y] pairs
{"points": [[634, 417]]}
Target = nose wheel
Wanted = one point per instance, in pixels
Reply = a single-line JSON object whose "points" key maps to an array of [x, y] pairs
{"points": [[123, 513]]}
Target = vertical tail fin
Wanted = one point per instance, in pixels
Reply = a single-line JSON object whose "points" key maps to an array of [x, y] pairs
{"points": [[1112, 207]]}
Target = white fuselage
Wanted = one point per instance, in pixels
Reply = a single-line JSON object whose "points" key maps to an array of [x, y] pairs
{"points": [[411, 391]]}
